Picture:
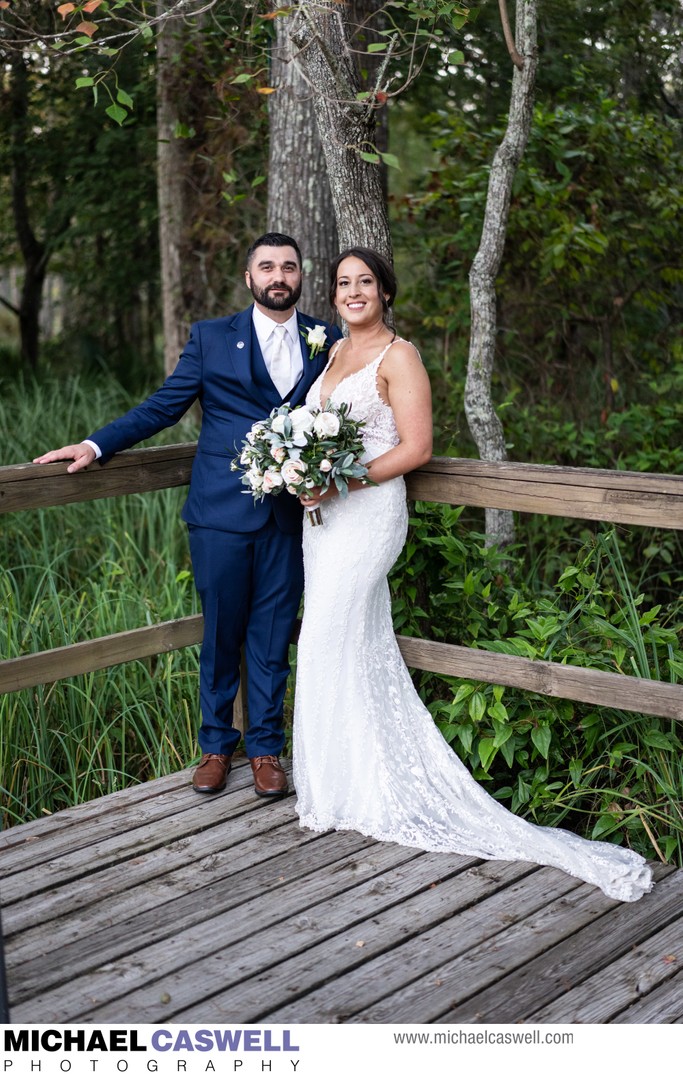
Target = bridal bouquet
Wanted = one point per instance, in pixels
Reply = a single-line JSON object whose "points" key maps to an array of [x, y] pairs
{"points": [[297, 449]]}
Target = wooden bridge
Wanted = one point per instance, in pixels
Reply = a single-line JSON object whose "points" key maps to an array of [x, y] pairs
{"points": [[154, 904]]}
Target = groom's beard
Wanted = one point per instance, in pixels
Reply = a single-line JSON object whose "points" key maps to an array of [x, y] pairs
{"points": [[276, 302]]}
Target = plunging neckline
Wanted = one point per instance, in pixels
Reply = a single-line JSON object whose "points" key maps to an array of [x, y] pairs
{"points": [[352, 374]]}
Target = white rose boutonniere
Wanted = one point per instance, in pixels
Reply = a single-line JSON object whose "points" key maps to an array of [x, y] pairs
{"points": [[316, 339]]}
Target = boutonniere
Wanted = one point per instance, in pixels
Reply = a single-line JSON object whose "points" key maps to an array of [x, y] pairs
{"points": [[316, 339]]}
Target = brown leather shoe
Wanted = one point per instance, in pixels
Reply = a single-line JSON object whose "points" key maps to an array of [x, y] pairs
{"points": [[269, 777], [211, 773]]}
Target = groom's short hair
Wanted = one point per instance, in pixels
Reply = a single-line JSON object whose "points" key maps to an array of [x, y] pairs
{"points": [[273, 239]]}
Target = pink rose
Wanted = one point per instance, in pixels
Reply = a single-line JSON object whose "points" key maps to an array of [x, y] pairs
{"points": [[271, 480]]}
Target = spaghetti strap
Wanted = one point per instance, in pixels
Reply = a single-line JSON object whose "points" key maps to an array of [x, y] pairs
{"points": [[384, 350], [396, 340]]}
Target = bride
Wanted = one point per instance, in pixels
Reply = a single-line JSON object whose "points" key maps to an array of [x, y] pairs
{"points": [[367, 754]]}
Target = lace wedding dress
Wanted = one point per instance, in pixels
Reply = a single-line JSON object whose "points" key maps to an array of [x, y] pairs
{"points": [[367, 754]]}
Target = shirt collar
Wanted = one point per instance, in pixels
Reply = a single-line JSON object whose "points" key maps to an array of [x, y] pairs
{"points": [[264, 325]]}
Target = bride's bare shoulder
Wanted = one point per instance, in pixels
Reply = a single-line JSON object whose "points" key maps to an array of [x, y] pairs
{"points": [[403, 357]]}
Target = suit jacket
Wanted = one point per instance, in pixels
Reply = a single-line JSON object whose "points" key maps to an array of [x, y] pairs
{"points": [[222, 367]]}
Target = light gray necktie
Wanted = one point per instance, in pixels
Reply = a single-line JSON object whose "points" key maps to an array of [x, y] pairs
{"points": [[281, 361]]}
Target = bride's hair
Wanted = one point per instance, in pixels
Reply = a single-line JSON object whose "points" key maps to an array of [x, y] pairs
{"points": [[380, 268]]}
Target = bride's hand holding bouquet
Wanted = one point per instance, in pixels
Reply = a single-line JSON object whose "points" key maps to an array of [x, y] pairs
{"points": [[304, 452]]}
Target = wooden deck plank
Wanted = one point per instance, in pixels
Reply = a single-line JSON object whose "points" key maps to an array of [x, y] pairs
{"points": [[480, 964], [94, 825], [569, 957], [663, 1006], [112, 839], [184, 844], [184, 857], [195, 928], [193, 988], [481, 903], [48, 825], [158, 878], [210, 912], [601, 997]]}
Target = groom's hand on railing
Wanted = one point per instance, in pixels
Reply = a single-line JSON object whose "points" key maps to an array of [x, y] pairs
{"points": [[82, 455]]}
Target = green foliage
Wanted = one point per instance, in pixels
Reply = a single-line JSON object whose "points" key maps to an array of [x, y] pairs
{"points": [[92, 195], [591, 282], [91, 201], [589, 294], [639, 435], [597, 770]]}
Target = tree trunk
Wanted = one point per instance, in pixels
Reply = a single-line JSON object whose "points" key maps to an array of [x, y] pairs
{"points": [[483, 421], [34, 251], [347, 125], [299, 199], [181, 284]]}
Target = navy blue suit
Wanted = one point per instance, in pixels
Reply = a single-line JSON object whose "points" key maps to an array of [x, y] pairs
{"points": [[246, 555]]}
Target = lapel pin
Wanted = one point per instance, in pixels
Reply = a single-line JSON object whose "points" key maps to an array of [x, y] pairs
{"points": [[240, 343]]}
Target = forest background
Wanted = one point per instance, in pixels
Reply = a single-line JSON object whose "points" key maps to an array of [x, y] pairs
{"points": [[140, 154]]}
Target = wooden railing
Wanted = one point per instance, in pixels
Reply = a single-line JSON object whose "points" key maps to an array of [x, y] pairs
{"points": [[612, 496]]}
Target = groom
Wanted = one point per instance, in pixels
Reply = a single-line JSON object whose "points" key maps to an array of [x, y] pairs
{"points": [[246, 555]]}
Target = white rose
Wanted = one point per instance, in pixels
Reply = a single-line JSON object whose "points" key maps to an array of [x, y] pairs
{"points": [[255, 480], [317, 337], [292, 471], [279, 454], [325, 465], [302, 423], [326, 424], [278, 424], [271, 480]]}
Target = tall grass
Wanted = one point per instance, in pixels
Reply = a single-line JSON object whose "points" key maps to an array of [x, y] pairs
{"points": [[79, 572]]}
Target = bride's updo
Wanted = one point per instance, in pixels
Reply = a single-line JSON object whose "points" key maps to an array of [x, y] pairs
{"points": [[380, 268]]}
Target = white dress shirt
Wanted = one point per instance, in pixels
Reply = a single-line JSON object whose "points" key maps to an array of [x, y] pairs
{"points": [[265, 327]]}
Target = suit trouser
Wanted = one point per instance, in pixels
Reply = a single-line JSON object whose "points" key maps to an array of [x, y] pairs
{"points": [[250, 587]]}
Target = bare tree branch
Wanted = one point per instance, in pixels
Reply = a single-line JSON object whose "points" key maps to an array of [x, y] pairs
{"points": [[517, 60]]}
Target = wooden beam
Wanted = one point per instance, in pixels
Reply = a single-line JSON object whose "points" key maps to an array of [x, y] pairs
{"points": [[32, 485], [542, 677], [48, 666], [546, 677], [584, 493], [645, 499]]}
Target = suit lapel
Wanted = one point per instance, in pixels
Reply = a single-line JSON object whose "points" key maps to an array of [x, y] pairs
{"points": [[250, 369], [247, 361]]}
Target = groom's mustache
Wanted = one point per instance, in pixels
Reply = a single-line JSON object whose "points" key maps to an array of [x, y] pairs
{"points": [[279, 287]]}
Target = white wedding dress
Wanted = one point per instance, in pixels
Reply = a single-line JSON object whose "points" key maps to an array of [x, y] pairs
{"points": [[367, 754]]}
